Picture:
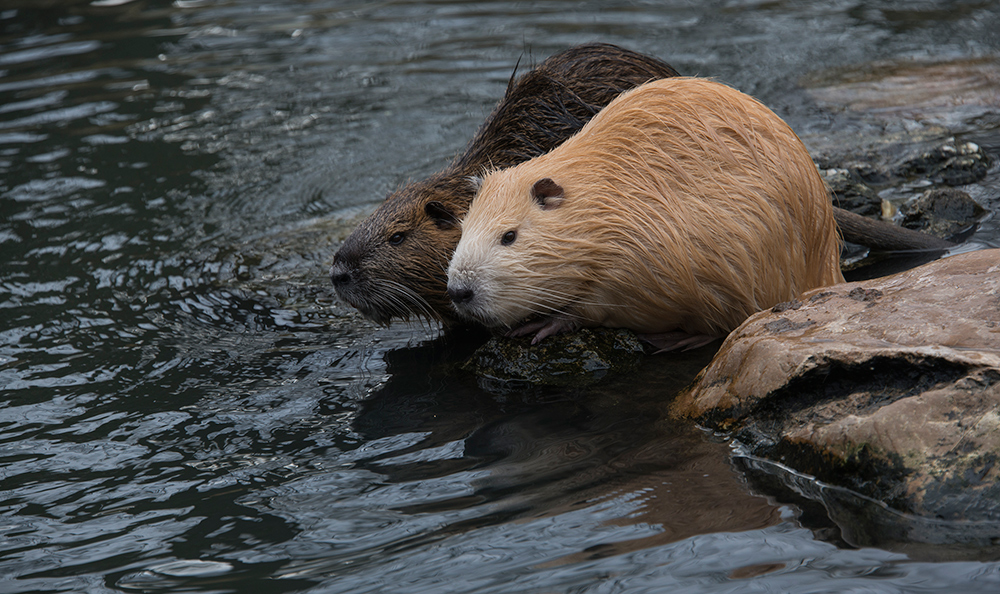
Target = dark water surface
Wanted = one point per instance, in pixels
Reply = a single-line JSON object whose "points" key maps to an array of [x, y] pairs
{"points": [[186, 407]]}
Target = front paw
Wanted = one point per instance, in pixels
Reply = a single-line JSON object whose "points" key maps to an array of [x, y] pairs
{"points": [[545, 327]]}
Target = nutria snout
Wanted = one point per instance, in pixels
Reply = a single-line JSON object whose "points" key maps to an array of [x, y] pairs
{"points": [[460, 295]]}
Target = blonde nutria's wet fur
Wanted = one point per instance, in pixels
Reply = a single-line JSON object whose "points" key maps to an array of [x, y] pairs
{"points": [[394, 264], [684, 206]]}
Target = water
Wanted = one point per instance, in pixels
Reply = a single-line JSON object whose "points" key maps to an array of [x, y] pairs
{"points": [[186, 407]]}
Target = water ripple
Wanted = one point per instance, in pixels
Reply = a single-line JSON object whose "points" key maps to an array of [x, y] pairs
{"points": [[48, 52], [38, 190], [66, 114], [186, 407]]}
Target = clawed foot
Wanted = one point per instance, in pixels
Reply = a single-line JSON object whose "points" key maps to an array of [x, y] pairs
{"points": [[672, 341], [544, 328]]}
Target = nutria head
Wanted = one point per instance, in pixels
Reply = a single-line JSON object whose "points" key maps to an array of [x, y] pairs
{"points": [[501, 271], [394, 264]]}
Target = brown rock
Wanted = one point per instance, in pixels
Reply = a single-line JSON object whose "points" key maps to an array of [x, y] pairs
{"points": [[888, 387]]}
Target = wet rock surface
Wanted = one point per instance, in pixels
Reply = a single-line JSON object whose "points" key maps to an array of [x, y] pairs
{"points": [[575, 359], [889, 388], [951, 164], [850, 192], [890, 102], [920, 187], [942, 212]]}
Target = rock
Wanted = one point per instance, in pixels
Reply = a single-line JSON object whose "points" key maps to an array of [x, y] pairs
{"points": [[851, 193], [579, 358], [888, 387], [942, 212], [911, 94], [951, 164]]}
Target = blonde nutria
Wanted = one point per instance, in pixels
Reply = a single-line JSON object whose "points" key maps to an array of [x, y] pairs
{"points": [[394, 264], [681, 209]]}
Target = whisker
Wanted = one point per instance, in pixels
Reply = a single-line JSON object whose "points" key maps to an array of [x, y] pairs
{"points": [[387, 301], [571, 298], [405, 296], [396, 302], [537, 305]]}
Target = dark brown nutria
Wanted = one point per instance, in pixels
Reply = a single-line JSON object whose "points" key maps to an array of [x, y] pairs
{"points": [[394, 265]]}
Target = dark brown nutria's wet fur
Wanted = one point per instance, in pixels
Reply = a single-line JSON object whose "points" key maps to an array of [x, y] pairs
{"points": [[682, 208], [394, 264]]}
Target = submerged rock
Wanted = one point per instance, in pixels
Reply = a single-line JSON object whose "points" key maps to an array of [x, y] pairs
{"points": [[887, 387], [912, 95]]}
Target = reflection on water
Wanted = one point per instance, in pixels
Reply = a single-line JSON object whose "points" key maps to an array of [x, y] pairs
{"points": [[863, 521], [185, 406]]}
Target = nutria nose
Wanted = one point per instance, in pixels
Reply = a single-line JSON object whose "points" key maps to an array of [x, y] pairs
{"points": [[460, 295], [339, 274]]}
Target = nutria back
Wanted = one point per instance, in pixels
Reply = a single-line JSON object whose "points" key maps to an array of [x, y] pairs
{"points": [[394, 264], [684, 206]]}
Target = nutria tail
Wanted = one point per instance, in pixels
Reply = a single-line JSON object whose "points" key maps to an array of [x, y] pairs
{"points": [[881, 235]]}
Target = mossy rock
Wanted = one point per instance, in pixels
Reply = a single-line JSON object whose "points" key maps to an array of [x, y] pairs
{"points": [[576, 359]]}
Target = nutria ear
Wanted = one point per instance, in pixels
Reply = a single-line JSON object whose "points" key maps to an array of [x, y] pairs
{"points": [[547, 193], [440, 214]]}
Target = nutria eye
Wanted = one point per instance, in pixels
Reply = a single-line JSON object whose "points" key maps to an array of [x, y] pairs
{"points": [[508, 238], [397, 238]]}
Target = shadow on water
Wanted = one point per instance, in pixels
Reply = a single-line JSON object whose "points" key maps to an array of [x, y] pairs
{"points": [[863, 522], [464, 463]]}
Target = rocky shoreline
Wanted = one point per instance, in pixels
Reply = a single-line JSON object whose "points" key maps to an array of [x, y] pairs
{"points": [[877, 400], [882, 393]]}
